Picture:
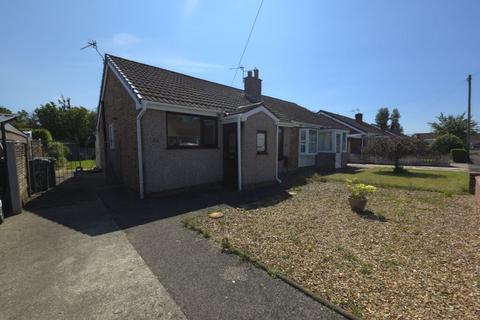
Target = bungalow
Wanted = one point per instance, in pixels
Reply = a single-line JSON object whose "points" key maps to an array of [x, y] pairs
{"points": [[358, 131], [158, 130]]}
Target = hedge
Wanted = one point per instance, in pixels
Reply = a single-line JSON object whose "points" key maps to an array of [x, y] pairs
{"points": [[459, 155]]}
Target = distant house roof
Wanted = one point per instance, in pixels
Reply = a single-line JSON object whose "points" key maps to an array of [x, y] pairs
{"points": [[7, 117], [160, 85], [357, 126], [425, 136]]}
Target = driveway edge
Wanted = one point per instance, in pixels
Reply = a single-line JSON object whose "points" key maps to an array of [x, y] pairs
{"points": [[226, 248]]}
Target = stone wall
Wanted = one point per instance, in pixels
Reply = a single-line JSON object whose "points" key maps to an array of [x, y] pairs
{"points": [[477, 189]]}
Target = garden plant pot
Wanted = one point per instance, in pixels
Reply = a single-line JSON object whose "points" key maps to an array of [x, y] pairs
{"points": [[357, 205]]}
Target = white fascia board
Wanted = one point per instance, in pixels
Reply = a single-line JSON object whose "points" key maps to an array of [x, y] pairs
{"points": [[341, 122], [178, 108], [308, 125], [230, 119], [286, 124], [257, 110], [132, 91]]}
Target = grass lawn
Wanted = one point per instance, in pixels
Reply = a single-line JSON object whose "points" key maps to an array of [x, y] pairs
{"points": [[451, 182], [86, 164], [413, 255]]}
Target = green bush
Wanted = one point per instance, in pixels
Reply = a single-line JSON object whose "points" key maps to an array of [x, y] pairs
{"points": [[444, 143], [459, 155], [42, 134], [58, 151]]}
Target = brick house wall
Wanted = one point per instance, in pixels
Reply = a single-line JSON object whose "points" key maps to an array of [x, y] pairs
{"points": [[21, 165], [258, 168], [120, 163], [291, 148], [169, 169]]}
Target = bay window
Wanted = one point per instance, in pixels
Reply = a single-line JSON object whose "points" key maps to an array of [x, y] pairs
{"points": [[191, 131]]}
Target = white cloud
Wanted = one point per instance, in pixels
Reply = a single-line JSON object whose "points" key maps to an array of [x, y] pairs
{"points": [[125, 39], [190, 6]]}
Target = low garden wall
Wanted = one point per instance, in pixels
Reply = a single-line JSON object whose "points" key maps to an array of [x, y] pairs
{"points": [[434, 160], [477, 189]]}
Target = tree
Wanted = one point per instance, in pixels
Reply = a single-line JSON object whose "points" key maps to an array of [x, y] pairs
{"points": [[394, 149], [451, 124], [395, 126], [381, 119], [444, 143], [66, 122], [5, 110]]}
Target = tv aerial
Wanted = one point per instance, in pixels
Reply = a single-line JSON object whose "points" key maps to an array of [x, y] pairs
{"points": [[241, 67], [92, 44]]}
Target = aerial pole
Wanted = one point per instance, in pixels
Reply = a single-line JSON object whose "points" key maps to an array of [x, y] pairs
{"points": [[469, 114]]}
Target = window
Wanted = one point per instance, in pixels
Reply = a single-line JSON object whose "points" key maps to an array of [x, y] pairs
{"points": [[308, 141], [261, 142], [111, 136], [344, 142], [312, 141], [189, 131], [280, 143], [303, 141], [325, 141]]}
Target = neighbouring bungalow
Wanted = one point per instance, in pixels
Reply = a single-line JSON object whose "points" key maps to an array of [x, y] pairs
{"points": [[159, 130], [427, 137], [359, 132]]}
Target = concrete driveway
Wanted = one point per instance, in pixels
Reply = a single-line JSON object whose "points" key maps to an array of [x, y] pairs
{"points": [[88, 251], [67, 259]]}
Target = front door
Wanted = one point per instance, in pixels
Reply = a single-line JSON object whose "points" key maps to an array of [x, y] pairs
{"points": [[338, 150], [230, 154]]}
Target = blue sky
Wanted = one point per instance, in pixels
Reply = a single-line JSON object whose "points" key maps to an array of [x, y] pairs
{"points": [[334, 55]]}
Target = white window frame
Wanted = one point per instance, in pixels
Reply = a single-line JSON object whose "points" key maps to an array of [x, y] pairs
{"points": [[344, 141], [307, 141], [111, 136]]}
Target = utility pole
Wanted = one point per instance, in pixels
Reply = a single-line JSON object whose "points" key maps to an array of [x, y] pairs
{"points": [[469, 114]]}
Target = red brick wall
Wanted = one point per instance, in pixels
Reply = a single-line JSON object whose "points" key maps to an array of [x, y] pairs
{"points": [[477, 189], [121, 163]]}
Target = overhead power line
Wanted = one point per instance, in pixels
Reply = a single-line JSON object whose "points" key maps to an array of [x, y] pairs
{"points": [[246, 43]]}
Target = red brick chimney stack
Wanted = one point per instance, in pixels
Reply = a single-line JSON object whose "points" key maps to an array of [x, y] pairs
{"points": [[253, 85]]}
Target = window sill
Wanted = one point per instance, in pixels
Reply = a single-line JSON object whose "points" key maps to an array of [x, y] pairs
{"points": [[262, 153]]}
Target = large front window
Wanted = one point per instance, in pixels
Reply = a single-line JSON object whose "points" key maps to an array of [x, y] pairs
{"points": [[189, 131], [325, 141]]}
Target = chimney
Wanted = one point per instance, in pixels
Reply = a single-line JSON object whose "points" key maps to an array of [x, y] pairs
{"points": [[359, 117], [253, 85]]}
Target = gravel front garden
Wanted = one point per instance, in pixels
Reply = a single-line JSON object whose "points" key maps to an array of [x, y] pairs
{"points": [[412, 255]]}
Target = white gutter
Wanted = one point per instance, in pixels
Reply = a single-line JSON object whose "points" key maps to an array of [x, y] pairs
{"points": [[239, 154], [140, 150], [276, 161]]}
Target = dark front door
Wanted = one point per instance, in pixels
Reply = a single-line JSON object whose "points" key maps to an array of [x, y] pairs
{"points": [[230, 154]]}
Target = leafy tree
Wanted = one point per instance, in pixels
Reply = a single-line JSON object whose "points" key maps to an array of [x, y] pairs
{"points": [[66, 122], [451, 124], [395, 126], [444, 143], [42, 134], [394, 149], [5, 110], [381, 119]]}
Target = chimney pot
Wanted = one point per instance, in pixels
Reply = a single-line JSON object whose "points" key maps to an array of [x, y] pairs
{"points": [[249, 73], [359, 117], [255, 73]]}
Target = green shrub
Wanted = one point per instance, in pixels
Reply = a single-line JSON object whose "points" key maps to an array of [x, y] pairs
{"points": [[42, 134], [445, 143], [58, 151], [459, 155]]}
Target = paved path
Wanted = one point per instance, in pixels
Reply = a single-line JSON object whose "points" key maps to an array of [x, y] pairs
{"points": [[67, 259]]}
